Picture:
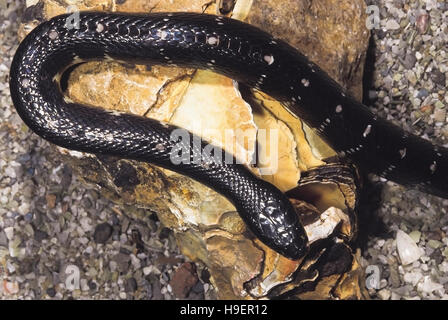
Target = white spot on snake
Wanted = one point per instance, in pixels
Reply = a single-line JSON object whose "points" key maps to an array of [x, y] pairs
{"points": [[25, 82], [212, 41], [99, 28], [162, 34], [433, 167], [166, 19], [273, 42], [403, 153], [388, 170], [338, 108], [269, 59], [115, 113], [67, 99], [205, 165], [53, 34], [305, 82], [164, 124], [367, 131], [160, 147], [328, 120]]}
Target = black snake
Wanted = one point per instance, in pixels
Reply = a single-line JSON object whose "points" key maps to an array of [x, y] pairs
{"points": [[234, 49]]}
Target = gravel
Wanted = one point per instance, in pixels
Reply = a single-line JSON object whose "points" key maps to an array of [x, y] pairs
{"points": [[409, 81], [54, 230], [59, 239]]}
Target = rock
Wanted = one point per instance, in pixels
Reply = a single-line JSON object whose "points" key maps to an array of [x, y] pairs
{"points": [[131, 285], [392, 24], [428, 286], [408, 250], [440, 115], [438, 77], [123, 261], [51, 292], [40, 235], [3, 239], [9, 233], [102, 233], [409, 61], [384, 294], [434, 244], [10, 288], [51, 201], [183, 280], [413, 277], [415, 235]]}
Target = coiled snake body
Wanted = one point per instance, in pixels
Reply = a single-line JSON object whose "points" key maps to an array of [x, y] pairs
{"points": [[232, 48]]}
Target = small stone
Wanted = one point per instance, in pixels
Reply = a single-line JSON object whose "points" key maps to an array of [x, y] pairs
{"points": [[9, 232], [29, 217], [131, 285], [147, 270], [122, 295], [440, 115], [10, 287], [434, 244], [384, 294], [422, 23], [428, 286], [40, 235], [408, 250], [92, 285], [445, 253], [102, 233], [409, 61], [413, 277], [51, 292], [391, 24], [438, 77], [123, 262], [3, 239], [183, 280], [51, 200], [415, 235]]}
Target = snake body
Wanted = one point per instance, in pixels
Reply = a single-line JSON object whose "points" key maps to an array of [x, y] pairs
{"points": [[234, 49]]}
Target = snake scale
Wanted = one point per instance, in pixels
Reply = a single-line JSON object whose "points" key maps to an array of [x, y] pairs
{"points": [[234, 49]]}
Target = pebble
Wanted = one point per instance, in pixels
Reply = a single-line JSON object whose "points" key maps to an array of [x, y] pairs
{"points": [[438, 77], [408, 250], [384, 294], [392, 24], [428, 286], [102, 233], [51, 292], [131, 285], [415, 236], [183, 280]]}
